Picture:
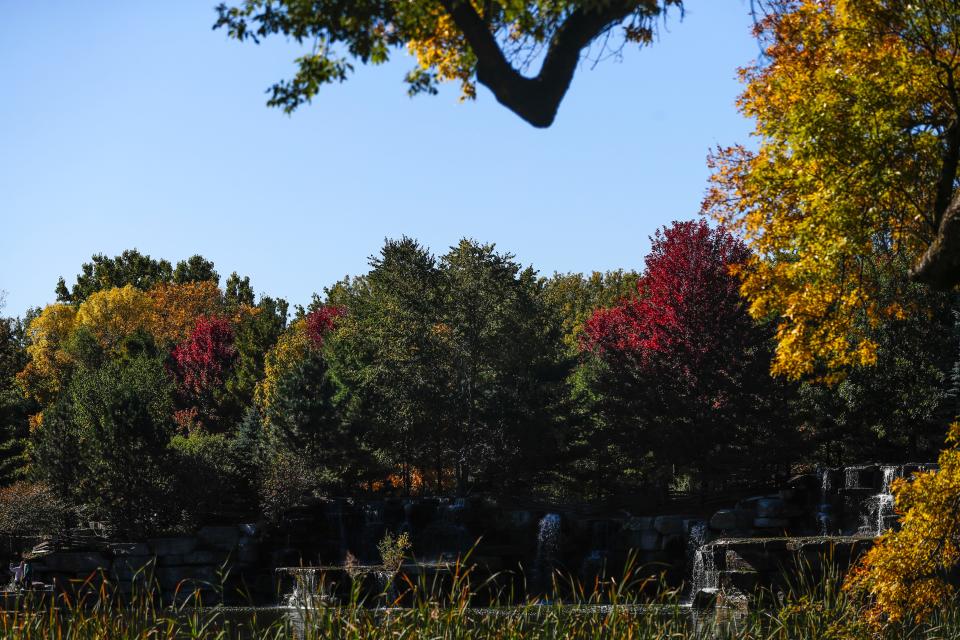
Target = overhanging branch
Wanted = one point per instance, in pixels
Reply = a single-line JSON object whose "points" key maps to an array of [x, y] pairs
{"points": [[536, 99]]}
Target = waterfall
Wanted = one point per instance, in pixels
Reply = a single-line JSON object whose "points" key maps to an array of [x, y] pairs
{"points": [[548, 544], [305, 593], [851, 477], [885, 499], [824, 517], [702, 573]]}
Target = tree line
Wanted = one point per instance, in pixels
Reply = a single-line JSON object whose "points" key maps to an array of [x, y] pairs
{"points": [[151, 398]]}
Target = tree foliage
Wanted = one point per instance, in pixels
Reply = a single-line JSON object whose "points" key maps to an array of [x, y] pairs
{"points": [[177, 306], [15, 408], [896, 410], [907, 574], [202, 360], [104, 444], [469, 42], [456, 363], [856, 113], [110, 315], [576, 296], [683, 361], [256, 335], [135, 269]]}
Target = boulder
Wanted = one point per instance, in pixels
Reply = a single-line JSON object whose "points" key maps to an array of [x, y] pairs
{"points": [[190, 576], [204, 556], [248, 551], [519, 519], [669, 525], [769, 508], [744, 518], [648, 540], [126, 567], [673, 543], [724, 520], [704, 599], [863, 477]]}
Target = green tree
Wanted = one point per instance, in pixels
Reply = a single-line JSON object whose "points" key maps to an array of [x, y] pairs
{"points": [[492, 43], [130, 267], [104, 444], [576, 296], [458, 364], [133, 268], [15, 408], [196, 268], [596, 455], [238, 291], [305, 422], [255, 336], [897, 410], [385, 356], [503, 364]]}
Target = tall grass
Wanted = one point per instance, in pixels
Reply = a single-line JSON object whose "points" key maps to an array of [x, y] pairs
{"points": [[443, 607]]}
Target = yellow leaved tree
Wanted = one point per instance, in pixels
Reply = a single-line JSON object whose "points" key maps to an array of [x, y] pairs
{"points": [[113, 314], [907, 574], [856, 120], [291, 348], [41, 378], [176, 307]]}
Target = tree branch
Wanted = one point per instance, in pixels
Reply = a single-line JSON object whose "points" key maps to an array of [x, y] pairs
{"points": [[940, 265], [535, 99]]}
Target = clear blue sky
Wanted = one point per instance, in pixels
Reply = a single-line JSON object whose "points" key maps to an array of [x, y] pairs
{"points": [[132, 124]]}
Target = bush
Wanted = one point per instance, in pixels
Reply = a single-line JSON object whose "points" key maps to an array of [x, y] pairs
{"points": [[32, 508], [287, 481], [212, 482], [393, 550]]}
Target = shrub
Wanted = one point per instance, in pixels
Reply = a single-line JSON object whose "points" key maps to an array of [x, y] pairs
{"points": [[287, 481], [31, 508], [213, 484], [393, 550]]}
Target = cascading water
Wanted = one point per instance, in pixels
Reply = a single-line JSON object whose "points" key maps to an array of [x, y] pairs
{"points": [[548, 545], [702, 573], [824, 515], [305, 594], [851, 478], [885, 499], [703, 578]]}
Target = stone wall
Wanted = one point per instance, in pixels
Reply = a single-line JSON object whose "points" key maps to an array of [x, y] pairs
{"points": [[215, 560]]}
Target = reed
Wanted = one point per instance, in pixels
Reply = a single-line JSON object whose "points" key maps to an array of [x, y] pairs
{"points": [[435, 608]]}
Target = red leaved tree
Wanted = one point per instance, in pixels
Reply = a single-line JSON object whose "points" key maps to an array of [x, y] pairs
{"points": [[686, 351], [320, 321], [200, 365]]}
